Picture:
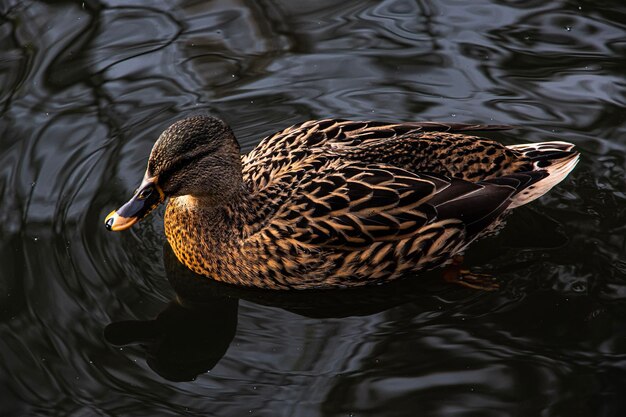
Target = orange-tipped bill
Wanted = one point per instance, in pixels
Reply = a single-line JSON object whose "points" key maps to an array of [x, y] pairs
{"points": [[115, 222], [146, 198]]}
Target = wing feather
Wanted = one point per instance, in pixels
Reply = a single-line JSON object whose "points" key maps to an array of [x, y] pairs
{"points": [[364, 204]]}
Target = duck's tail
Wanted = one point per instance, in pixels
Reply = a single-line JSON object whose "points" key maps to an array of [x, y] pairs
{"points": [[554, 160]]}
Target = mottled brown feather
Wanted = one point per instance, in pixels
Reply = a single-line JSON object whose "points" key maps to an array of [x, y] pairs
{"points": [[334, 203]]}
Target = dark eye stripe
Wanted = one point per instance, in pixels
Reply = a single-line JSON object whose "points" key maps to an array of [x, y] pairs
{"points": [[179, 163]]}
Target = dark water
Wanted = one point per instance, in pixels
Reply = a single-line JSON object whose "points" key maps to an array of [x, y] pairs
{"points": [[89, 325]]}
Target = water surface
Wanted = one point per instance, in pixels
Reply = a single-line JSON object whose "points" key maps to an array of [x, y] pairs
{"points": [[89, 324]]}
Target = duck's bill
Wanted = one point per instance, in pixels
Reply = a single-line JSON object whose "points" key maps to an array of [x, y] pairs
{"points": [[147, 197]]}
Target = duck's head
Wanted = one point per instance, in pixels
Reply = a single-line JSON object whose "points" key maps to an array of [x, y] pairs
{"points": [[197, 156]]}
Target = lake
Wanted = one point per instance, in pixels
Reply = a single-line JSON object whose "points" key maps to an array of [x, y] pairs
{"points": [[90, 324]]}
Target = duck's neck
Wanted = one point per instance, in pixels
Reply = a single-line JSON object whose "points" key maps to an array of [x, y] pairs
{"points": [[204, 217], [206, 236]]}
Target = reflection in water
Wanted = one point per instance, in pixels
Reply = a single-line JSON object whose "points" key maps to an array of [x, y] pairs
{"points": [[194, 331], [88, 86], [181, 342]]}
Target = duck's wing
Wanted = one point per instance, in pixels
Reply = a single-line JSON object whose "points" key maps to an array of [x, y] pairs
{"points": [[352, 205], [366, 141]]}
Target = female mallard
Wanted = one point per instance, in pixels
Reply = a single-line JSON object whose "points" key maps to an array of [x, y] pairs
{"points": [[334, 203]]}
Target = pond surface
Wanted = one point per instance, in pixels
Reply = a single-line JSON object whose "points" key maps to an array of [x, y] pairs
{"points": [[89, 325]]}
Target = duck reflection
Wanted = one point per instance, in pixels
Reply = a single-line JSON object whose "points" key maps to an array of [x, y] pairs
{"points": [[194, 331], [183, 341]]}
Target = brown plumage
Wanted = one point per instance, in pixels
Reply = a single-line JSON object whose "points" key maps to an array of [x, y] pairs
{"points": [[333, 203]]}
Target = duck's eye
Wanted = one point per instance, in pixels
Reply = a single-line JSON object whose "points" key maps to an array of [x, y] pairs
{"points": [[145, 193]]}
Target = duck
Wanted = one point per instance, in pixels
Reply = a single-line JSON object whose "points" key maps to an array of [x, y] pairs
{"points": [[335, 203]]}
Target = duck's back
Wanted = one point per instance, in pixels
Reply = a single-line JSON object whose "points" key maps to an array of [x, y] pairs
{"points": [[429, 147]]}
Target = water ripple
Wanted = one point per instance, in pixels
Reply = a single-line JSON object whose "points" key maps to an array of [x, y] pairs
{"points": [[88, 320]]}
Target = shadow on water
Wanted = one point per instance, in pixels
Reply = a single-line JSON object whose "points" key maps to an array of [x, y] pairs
{"points": [[194, 331]]}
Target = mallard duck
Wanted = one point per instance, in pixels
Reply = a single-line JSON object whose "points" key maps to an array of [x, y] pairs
{"points": [[334, 203]]}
